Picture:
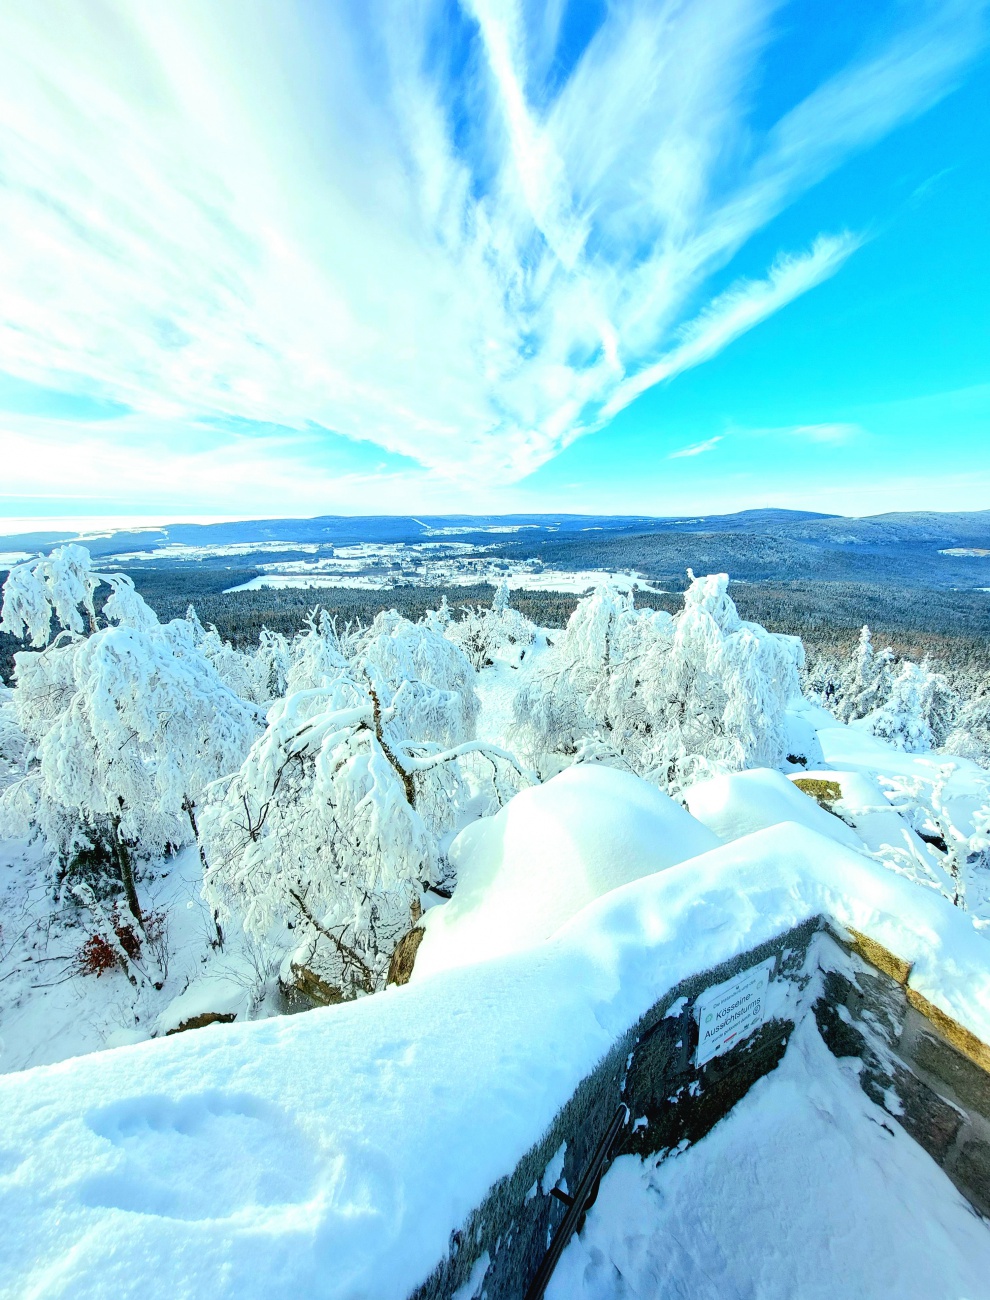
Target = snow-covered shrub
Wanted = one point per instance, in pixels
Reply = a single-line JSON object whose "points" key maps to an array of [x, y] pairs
{"points": [[486, 634], [672, 698], [954, 817], [123, 728]]}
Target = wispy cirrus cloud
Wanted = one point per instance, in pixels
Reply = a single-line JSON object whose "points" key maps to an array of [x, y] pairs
{"points": [[697, 448], [440, 230], [737, 310], [831, 434]]}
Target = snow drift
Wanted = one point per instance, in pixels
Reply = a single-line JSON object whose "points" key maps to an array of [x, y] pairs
{"points": [[739, 804], [548, 853]]}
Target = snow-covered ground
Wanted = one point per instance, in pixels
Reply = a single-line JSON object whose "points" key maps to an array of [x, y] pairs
{"points": [[806, 1189], [433, 564], [334, 1153], [51, 1011]]}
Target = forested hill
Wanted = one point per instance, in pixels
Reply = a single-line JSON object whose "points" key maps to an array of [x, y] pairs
{"points": [[753, 544]]}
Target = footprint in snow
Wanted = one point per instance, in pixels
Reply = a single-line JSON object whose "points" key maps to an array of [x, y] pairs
{"points": [[205, 1156]]}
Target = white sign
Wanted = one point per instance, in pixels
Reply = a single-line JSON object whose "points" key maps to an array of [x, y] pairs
{"points": [[727, 1013]]}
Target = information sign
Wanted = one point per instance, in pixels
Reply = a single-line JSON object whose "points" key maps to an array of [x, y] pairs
{"points": [[727, 1013]]}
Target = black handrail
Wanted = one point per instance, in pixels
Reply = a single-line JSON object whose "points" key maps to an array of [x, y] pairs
{"points": [[583, 1199]]}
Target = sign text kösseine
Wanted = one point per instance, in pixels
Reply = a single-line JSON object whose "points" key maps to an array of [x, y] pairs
{"points": [[727, 1013]]}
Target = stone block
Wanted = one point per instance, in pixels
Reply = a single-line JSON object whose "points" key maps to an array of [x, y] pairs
{"points": [[971, 1170], [882, 958], [968, 1083], [958, 1035], [928, 1118]]}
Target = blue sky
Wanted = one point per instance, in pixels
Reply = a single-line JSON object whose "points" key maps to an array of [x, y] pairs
{"points": [[454, 255]]}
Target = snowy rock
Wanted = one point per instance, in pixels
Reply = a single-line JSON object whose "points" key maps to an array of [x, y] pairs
{"points": [[864, 806], [549, 852], [802, 739], [404, 958], [218, 996], [737, 805]]}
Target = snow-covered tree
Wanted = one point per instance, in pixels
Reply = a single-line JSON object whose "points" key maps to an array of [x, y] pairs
{"points": [[866, 680], [232, 666], [426, 678], [486, 634], [586, 685], [821, 679], [124, 728], [13, 742], [332, 824], [667, 697], [969, 735], [716, 697], [317, 655], [270, 665], [63, 585], [918, 712]]}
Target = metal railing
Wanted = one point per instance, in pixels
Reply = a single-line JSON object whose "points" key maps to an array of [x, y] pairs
{"points": [[578, 1204]]}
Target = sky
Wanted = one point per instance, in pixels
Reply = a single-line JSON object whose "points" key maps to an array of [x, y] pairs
{"points": [[295, 257]]}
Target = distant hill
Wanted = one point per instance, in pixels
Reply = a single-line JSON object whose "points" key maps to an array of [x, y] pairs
{"points": [[752, 545]]}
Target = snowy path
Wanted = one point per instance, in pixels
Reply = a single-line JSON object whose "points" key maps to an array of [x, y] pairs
{"points": [[805, 1190]]}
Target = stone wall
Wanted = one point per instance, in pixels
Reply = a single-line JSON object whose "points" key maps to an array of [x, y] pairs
{"points": [[672, 1102], [928, 1072]]}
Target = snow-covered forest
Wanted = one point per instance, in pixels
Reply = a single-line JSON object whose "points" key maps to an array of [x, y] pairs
{"points": [[193, 832]]}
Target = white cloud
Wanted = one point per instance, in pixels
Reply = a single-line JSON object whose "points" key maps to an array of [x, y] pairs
{"points": [[308, 216], [698, 449], [835, 434], [738, 310]]}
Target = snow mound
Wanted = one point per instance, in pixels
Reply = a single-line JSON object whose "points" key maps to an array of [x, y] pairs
{"points": [[548, 853], [737, 805], [854, 748], [801, 736], [216, 994], [864, 806]]}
